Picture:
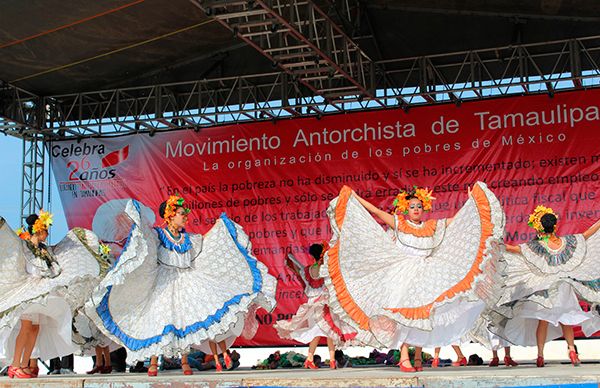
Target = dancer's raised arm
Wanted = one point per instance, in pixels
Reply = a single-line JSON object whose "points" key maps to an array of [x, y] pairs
{"points": [[513, 248], [383, 215], [592, 229]]}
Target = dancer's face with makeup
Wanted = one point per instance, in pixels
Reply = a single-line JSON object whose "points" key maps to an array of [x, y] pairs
{"points": [[415, 210]]}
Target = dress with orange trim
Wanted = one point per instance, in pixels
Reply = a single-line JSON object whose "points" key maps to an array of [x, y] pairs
{"points": [[314, 317], [425, 285], [546, 284]]}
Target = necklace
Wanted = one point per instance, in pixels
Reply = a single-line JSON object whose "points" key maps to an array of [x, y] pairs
{"points": [[172, 236], [416, 225], [555, 250]]}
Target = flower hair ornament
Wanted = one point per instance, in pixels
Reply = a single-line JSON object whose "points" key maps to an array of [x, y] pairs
{"points": [[23, 233], [173, 203], [104, 251], [42, 223], [535, 218], [401, 202]]}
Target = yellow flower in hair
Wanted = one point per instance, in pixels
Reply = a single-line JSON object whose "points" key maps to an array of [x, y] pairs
{"points": [[401, 203], [42, 223], [535, 218], [23, 234], [173, 203], [426, 197], [104, 251]]}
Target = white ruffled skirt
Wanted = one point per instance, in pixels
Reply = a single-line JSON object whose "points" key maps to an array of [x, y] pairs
{"points": [[428, 300], [314, 319], [561, 306], [451, 324], [53, 315], [154, 309]]}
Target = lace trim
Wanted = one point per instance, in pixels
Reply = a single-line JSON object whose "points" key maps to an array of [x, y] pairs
{"points": [[103, 309], [555, 259], [103, 263], [53, 268], [593, 284], [166, 242], [424, 229]]}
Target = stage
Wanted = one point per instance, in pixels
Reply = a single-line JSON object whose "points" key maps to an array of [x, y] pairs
{"points": [[554, 375]]}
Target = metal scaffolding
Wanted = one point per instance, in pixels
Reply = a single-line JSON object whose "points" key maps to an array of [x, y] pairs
{"points": [[32, 187], [407, 82], [300, 39]]}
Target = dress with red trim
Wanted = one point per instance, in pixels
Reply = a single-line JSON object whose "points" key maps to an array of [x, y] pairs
{"points": [[314, 318], [425, 284]]}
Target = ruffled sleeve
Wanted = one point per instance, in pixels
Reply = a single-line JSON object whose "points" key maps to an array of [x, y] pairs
{"points": [[538, 270]]}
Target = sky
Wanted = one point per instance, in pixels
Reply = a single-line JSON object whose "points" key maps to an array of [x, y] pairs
{"points": [[11, 151]]}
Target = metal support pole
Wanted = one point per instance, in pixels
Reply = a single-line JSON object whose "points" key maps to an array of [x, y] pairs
{"points": [[32, 187]]}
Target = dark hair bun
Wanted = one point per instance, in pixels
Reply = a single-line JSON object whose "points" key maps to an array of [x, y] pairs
{"points": [[315, 251], [161, 209], [548, 222], [31, 219]]}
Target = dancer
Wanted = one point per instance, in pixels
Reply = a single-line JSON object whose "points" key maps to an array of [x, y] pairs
{"points": [[544, 278], [39, 285], [434, 277], [86, 335], [461, 359], [170, 289], [314, 319]]}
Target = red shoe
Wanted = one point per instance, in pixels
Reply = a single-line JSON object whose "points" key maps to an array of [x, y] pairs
{"points": [[153, 373], [403, 368], [96, 369], [106, 370], [460, 362], [19, 373], [34, 372], [436, 362], [508, 361], [495, 361], [219, 367], [539, 362], [310, 365], [228, 362], [574, 358], [419, 366], [188, 371], [332, 364]]}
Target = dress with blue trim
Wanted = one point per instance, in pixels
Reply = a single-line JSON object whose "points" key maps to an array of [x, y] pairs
{"points": [[164, 294], [546, 284], [45, 287]]}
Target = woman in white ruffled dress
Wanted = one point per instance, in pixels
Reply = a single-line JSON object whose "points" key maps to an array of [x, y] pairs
{"points": [[40, 288], [544, 278], [86, 336], [314, 319], [428, 283], [170, 289]]}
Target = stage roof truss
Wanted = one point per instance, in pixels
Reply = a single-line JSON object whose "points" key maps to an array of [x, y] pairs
{"points": [[301, 40], [407, 82]]}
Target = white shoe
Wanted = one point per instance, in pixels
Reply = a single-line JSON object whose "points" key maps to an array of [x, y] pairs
{"points": [[65, 371]]}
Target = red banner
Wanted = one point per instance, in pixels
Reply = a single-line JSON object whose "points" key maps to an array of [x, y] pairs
{"points": [[276, 178]]}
